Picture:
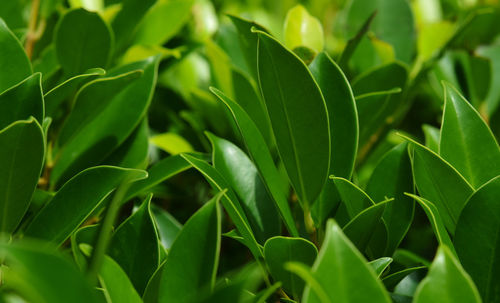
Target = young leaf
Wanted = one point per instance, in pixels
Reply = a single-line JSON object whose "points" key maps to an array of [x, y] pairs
{"points": [[115, 283], [43, 275], [15, 64], [438, 181], [74, 202], [135, 248], [260, 155], [296, 109], [241, 174], [476, 239], [466, 141], [353, 197], [83, 40], [303, 30], [380, 265], [21, 158], [280, 250], [342, 113], [446, 281], [22, 101], [343, 272], [392, 178], [192, 261]]}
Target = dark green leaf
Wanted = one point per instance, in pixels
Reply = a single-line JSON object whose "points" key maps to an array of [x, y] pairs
{"points": [[380, 265], [168, 226], [296, 109], [21, 158], [353, 197], [280, 250]]}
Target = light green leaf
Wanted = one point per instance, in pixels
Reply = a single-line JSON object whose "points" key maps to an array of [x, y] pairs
{"points": [[172, 143], [466, 141], [432, 37], [343, 272], [280, 250], [303, 30], [261, 156], [446, 282], [82, 40], [192, 261], [242, 175], [380, 265], [21, 158], [127, 19], [296, 109], [431, 134], [22, 101], [116, 284], [74, 202], [477, 239], [135, 248]]}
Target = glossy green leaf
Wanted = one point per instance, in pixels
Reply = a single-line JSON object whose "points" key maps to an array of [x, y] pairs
{"points": [[192, 261], [466, 141], [296, 109], [163, 21], [437, 224], [477, 239], [280, 250], [241, 174], [168, 226], [74, 202], [15, 64], [161, 171], [431, 134], [391, 178], [438, 181], [135, 248], [132, 153], [352, 43], [82, 40], [261, 156], [303, 30], [81, 239], [391, 281], [229, 202], [353, 197], [56, 96], [362, 227], [22, 101], [21, 158], [432, 38], [340, 269], [95, 137], [172, 143], [380, 265], [127, 20], [342, 113], [116, 284], [446, 281], [43, 275]]}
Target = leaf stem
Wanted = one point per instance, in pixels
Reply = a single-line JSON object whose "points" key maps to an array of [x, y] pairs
{"points": [[34, 32]]}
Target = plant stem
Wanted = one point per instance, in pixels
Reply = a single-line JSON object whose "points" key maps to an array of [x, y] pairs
{"points": [[32, 35]]}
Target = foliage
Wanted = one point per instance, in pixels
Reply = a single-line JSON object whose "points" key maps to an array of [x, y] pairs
{"points": [[249, 151]]}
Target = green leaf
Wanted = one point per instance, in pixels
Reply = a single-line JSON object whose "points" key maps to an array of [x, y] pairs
{"points": [[74, 202], [229, 201], [168, 226], [342, 113], [261, 156], [82, 40], [477, 239], [15, 64], [438, 181], [303, 30], [446, 281], [431, 137], [432, 38], [135, 248], [43, 275], [22, 101], [163, 20], [341, 269], [97, 136], [352, 43], [127, 20], [391, 281], [380, 265], [133, 153], [361, 229], [296, 109], [158, 173], [192, 261], [434, 218], [353, 197], [466, 141], [56, 96], [280, 250], [115, 283], [241, 174], [21, 158], [391, 178], [172, 143]]}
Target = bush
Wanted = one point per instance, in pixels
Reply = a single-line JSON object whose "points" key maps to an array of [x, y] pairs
{"points": [[286, 137]]}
